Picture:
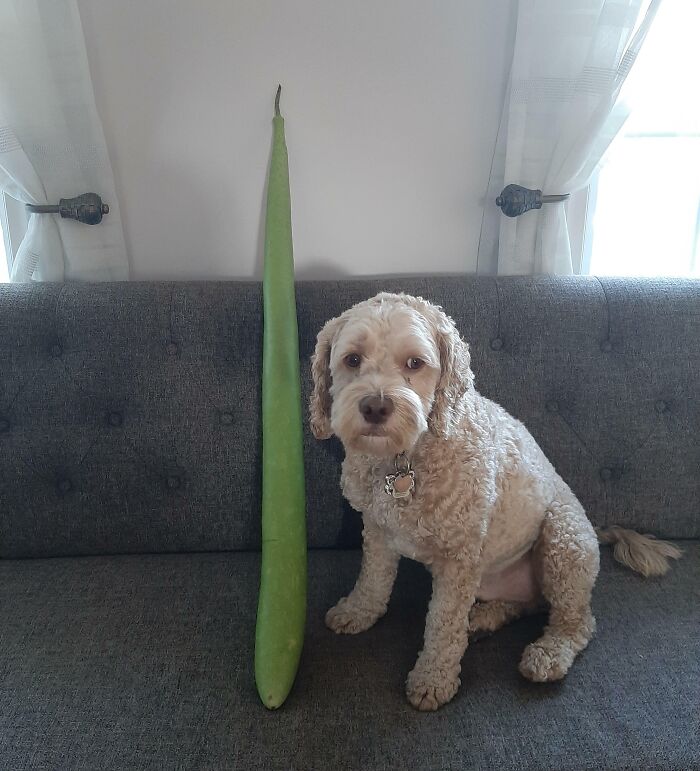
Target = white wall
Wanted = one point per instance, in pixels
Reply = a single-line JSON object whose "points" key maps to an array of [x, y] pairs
{"points": [[391, 111]]}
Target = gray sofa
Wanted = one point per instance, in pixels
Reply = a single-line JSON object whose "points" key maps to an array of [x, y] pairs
{"points": [[129, 535]]}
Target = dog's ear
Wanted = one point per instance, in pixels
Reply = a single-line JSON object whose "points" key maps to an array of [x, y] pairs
{"points": [[320, 404], [456, 377]]}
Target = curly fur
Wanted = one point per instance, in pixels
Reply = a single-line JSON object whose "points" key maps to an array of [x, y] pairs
{"points": [[498, 528], [642, 553]]}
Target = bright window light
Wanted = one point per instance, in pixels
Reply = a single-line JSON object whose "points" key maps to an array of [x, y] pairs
{"points": [[644, 204], [4, 271]]}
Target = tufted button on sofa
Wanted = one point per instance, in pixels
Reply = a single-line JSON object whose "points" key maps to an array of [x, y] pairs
{"points": [[130, 534]]}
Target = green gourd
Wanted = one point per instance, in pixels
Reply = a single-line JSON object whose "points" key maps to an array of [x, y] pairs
{"points": [[281, 617]]}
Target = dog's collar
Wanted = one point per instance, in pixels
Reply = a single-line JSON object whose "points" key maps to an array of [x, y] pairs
{"points": [[401, 484]]}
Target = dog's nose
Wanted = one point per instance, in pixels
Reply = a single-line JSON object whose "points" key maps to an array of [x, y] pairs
{"points": [[376, 409]]}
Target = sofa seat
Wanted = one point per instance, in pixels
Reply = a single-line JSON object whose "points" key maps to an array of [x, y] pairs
{"points": [[146, 662]]}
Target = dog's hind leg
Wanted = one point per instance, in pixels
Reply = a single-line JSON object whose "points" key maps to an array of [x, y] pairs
{"points": [[487, 617], [568, 560]]}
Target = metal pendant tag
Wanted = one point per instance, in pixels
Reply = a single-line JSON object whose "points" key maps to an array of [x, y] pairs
{"points": [[400, 485], [403, 482]]}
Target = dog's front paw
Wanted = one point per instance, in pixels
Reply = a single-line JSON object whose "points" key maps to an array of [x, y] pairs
{"points": [[348, 618], [546, 660], [429, 692]]}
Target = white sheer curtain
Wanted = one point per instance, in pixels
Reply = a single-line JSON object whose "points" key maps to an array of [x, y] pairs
{"points": [[52, 145], [560, 114]]}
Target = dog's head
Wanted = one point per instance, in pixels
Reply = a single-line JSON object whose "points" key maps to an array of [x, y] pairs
{"points": [[386, 371]]}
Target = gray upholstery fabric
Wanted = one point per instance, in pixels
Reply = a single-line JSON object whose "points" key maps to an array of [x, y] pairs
{"points": [[145, 662], [129, 423], [129, 413]]}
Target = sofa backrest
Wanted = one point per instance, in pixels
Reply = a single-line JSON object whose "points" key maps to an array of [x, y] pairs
{"points": [[130, 413]]}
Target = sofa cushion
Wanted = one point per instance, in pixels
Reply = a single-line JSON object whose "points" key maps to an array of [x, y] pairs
{"points": [[130, 413], [146, 662]]}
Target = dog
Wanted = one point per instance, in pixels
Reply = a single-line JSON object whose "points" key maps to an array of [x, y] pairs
{"points": [[447, 477]]}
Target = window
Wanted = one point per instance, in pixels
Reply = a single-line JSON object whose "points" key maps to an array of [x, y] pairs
{"points": [[13, 226], [644, 203], [4, 242]]}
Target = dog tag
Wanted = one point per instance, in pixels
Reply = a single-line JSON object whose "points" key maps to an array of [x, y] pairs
{"points": [[400, 485]]}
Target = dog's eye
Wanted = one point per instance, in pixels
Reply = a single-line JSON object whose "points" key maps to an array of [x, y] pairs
{"points": [[415, 363], [353, 360]]}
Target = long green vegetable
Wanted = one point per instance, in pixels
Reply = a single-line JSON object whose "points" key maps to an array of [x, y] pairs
{"points": [[282, 604]]}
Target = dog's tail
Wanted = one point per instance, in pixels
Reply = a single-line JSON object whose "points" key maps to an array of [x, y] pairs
{"points": [[644, 554]]}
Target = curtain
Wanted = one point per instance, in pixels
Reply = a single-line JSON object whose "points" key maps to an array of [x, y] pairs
{"points": [[561, 111], [52, 145]]}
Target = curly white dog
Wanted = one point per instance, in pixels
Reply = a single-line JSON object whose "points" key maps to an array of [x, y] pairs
{"points": [[447, 477]]}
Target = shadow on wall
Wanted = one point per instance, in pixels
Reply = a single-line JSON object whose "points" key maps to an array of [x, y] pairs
{"points": [[320, 270], [315, 269]]}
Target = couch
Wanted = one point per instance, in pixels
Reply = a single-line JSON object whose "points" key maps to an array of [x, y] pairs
{"points": [[130, 534]]}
